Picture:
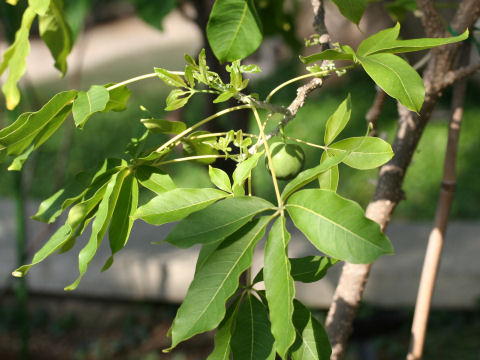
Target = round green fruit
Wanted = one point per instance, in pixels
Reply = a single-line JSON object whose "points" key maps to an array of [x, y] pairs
{"points": [[288, 160]]}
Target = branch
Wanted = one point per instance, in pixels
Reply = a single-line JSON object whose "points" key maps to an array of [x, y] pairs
{"points": [[437, 235], [459, 74], [431, 20], [375, 110]]}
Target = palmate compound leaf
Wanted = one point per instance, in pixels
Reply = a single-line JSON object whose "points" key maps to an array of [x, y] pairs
{"points": [[279, 286], [14, 58], [215, 282], [337, 226], [31, 130], [311, 342], [234, 30], [217, 221], [252, 338], [176, 204]]}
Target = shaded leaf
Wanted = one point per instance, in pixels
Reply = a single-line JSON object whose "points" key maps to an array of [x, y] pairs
{"points": [[220, 179], [328, 180], [162, 126], [88, 103], [154, 179], [279, 286], [39, 6], [217, 221], [337, 226], [397, 78], [312, 340], [56, 33], [118, 98], [214, 283], [330, 54], [234, 30], [243, 169], [352, 9], [252, 339], [169, 78], [176, 204], [153, 12], [15, 59]]}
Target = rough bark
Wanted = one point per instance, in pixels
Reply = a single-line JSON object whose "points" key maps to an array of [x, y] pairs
{"points": [[389, 188]]}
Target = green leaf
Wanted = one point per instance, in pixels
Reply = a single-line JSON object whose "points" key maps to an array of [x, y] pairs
{"points": [[18, 161], [234, 30], [214, 283], [162, 126], [100, 224], [224, 96], [279, 286], [200, 146], [56, 33], [330, 54], [306, 176], [220, 179], [369, 153], [177, 99], [169, 78], [15, 59], [337, 226], [223, 335], [153, 12], [252, 339], [328, 180], [176, 204], [53, 244], [307, 269], [217, 221], [338, 120], [51, 208], [39, 6], [352, 9], [118, 98], [243, 169], [76, 13], [122, 219], [312, 340], [88, 103], [397, 78], [154, 179], [35, 128], [386, 41]]}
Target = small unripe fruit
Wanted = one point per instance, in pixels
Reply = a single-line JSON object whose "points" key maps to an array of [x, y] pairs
{"points": [[287, 159]]}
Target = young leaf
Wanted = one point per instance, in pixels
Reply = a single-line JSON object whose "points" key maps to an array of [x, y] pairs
{"points": [[307, 269], [56, 33], [39, 6], [214, 283], [217, 221], [88, 103], [220, 179], [338, 120], [162, 126], [154, 179], [234, 30], [176, 204], [279, 286], [352, 9], [100, 224], [169, 78], [118, 98], [15, 59], [224, 96], [397, 78], [35, 128], [337, 226], [122, 219], [309, 175], [244, 169], [312, 340], [52, 207], [386, 41], [256, 343], [330, 54], [223, 335], [177, 99], [328, 180], [369, 153]]}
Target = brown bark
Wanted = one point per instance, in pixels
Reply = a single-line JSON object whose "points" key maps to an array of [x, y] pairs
{"points": [[389, 188]]}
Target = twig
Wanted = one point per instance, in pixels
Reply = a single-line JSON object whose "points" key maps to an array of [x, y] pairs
{"points": [[436, 238], [375, 110], [460, 74]]}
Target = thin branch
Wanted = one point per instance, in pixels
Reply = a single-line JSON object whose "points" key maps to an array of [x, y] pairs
{"points": [[436, 238], [375, 110], [459, 74]]}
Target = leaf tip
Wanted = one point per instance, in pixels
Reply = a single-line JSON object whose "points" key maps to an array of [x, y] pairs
{"points": [[18, 274]]}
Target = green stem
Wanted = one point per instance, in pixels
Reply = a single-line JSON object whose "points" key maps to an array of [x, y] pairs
{"points": [[189, 158], [269, 157], [306, 76], [200, 123], [307, 143]]}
